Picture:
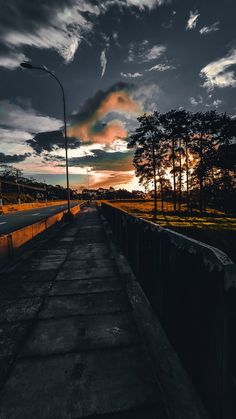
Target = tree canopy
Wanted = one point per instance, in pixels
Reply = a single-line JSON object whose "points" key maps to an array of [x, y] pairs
{"points": [[193, 153]]}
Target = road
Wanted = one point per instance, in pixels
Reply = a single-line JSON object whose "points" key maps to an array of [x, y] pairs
{"points": [[16, 220]]}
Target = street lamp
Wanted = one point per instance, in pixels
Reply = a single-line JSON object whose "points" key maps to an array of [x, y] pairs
{"points": [[32, 67]]}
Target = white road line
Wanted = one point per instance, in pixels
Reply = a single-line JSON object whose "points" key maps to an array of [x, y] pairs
{"points": [[4, 222], [37, 213]]}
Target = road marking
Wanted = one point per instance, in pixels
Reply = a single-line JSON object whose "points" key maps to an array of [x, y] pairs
{"points": [[4, 222], [37, 213]]}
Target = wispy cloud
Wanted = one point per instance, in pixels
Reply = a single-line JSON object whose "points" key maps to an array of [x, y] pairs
{"points": [[103, 61], [143, 52], [208, 29], [217, 103], [216, 74], [154, 52], [192, 20], [60, 27], [141, 4], [12, 59], [196, 101], [131, 75], [161, 67]]}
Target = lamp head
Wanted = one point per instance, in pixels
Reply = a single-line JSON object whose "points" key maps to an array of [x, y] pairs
{"points": [[26, 65]]}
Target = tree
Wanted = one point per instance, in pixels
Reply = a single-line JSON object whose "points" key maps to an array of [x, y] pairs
{"points": [[148, 140], [178, 130]]}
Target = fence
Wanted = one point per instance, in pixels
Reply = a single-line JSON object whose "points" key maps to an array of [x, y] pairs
{"points": [[192, 287]]}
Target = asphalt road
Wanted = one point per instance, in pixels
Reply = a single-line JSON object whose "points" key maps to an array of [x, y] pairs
{"points": [[16, 220]]}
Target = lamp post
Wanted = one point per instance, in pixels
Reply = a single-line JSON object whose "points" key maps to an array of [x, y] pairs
{"points": [[32, 67], [18, 186]]}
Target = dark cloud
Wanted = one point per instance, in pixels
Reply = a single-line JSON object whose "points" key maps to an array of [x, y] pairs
{"points": [[52, 158], [91, 105], [50, 141], [103, 160], [15, 158]]}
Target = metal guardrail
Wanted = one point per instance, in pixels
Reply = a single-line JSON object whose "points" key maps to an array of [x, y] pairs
{"points": [[192, 287]]}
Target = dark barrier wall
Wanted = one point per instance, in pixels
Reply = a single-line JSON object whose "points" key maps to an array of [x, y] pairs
{"points": [[192, 287]]}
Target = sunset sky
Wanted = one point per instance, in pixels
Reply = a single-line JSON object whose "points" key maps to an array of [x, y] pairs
{"points": [[116, 60]]}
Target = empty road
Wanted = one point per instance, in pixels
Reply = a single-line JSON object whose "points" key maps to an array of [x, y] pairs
{"points": [[16, 220]]}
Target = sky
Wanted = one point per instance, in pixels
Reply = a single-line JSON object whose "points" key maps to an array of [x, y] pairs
{"points": [[116, 60]]}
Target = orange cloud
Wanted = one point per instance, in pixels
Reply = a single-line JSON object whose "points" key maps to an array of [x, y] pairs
{"points": [[110, 178], [119, 101], [107, 135]]}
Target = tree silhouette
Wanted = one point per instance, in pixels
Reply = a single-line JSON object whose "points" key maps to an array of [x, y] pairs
{"points": [[148, 154], [197, 150]]}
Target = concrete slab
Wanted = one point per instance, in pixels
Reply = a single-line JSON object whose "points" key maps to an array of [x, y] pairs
{"points": [[78, 385], [53, 252], [91, 246], [17, 310], [88, 274], [44, 263], [94, 226], [59, 244], [18, 275], [78, 334], [88, 264], [17, 289], [5, 364], [90, 253], [90, 235], [10, 336], [107, 302], [70, 232], [85, 286]]}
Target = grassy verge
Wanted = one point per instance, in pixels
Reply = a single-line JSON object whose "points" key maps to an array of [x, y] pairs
{"points": [[213, 228]]}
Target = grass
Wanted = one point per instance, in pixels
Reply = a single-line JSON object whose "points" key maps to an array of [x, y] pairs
{"points": [[213, 227]]}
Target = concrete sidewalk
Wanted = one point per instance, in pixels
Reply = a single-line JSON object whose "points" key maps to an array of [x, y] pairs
{"points": [[69, 344]]}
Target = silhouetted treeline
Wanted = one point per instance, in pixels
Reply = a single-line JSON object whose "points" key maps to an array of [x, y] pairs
{"points": [[14, 187], [193, 154], [110, 194]]}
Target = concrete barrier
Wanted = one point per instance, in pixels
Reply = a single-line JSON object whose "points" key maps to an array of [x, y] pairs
{"points": [[11, 242]]}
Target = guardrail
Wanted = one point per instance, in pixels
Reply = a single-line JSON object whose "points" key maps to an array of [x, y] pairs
{"points": [[192, 287]]}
